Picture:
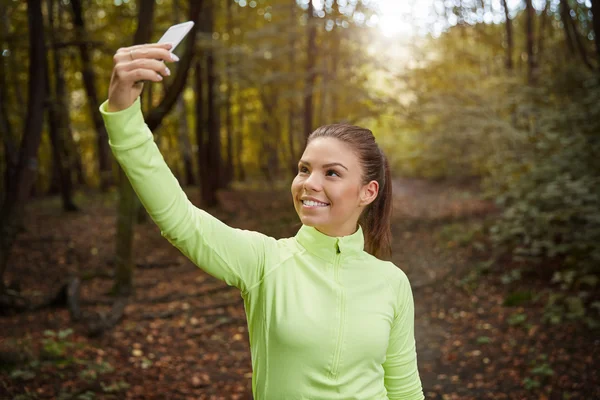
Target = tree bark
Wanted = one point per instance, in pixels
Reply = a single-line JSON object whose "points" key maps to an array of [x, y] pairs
{"points": [[596, 26], [239, 137], [183, 127], [104, 159], [542, 32], [311, 50], [529, 15], [12, 212], [214, 136], [201, 137], [572, 36], [292, 103], [128, 202], [57, 121], [509, 37], [228, 116]]}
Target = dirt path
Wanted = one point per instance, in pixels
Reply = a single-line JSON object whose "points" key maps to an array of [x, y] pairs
{"points": [[184, 334]]}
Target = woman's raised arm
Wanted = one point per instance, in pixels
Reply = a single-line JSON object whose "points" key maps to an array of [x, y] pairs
{"points": [[236, 256]]}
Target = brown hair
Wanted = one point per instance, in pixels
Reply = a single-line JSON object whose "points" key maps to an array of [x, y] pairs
{"points": [[375, 220]]}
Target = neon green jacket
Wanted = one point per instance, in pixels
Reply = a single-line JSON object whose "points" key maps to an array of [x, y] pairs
{"points": [[326, 320]]}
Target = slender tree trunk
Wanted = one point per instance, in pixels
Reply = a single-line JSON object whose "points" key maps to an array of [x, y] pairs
{"points": [[9, 144], [596, 26], [183, 127], [57, 121], [292, 103], [334, 78], [228, 116], [104, 159], [201, 136], [572, 35], [184, 142], [509, 37], [214, 135], [530, 14], [542, 33], [12, 212], [311, 51]]}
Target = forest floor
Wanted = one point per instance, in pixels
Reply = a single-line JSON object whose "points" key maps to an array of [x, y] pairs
{"points": [[480, 323]]}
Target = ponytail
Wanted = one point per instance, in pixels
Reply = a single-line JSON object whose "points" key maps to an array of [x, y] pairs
{"points": [[377, 217]]}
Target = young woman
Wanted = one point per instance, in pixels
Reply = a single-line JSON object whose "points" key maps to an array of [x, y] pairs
{"points": [[326, 319]]}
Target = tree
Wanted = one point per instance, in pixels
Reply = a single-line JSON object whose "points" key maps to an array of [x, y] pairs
{"points": [[128, 202], [311, 54], [89, 80], [19, 188], [529, 15], [509, 36], [596, 26], [58, 118]]}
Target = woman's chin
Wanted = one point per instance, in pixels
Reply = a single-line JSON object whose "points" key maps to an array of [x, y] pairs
{"points": [[310, 221]]}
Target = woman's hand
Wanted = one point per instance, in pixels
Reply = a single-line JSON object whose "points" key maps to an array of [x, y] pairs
{"points": [[133, 65]]}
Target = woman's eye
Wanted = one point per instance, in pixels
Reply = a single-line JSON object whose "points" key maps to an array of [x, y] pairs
{"points": [[303, 170], [332, 173]]}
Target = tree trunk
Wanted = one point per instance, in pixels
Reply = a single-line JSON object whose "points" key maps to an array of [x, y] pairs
{"points": [[292, 103], [228, 117], [104, 159], [311, 50], [214, 136], [184, 143], [509, 37], [129, 204], [542, 33], [573, 38], [596, 26], [12, 212], [57, 122], [201, 136], [9, 144], [529, 15], [183, 128]]}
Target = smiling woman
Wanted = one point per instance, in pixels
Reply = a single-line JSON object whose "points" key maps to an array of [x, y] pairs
{"points": [[326, 319]]}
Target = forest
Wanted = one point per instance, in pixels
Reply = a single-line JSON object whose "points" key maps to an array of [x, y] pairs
{"points": [[488, 112]]}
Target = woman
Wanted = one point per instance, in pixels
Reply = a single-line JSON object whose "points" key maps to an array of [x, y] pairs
{"points": [[327, 320]]}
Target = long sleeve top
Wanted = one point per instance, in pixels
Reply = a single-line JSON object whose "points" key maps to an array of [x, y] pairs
{"points": [[326, 320]]}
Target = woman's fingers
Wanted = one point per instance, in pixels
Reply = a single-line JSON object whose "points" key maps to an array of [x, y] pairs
{"points": [[142, 63], [139, 74], [134, 65], [124, 55]]}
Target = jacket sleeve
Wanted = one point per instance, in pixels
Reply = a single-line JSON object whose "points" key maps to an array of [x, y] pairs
{"points": [[235, 256], [401, 377]]}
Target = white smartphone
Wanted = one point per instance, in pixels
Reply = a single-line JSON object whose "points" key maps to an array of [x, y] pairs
{"points": [[176, 33]]}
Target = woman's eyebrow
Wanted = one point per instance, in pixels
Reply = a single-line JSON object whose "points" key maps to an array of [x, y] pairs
{"points": [[335, 164], [325, 165]]}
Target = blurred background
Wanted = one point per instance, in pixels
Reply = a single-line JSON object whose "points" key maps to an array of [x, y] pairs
{"points": [[488, 111]]}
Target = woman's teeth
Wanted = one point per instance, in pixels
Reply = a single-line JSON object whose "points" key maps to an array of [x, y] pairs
{"points": [[310, 203]]}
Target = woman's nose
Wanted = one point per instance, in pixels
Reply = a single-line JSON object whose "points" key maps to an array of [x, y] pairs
{"points": [[313, 183]]}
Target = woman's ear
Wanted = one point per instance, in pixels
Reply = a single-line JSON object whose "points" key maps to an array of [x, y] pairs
{"points": [[368, 193]]}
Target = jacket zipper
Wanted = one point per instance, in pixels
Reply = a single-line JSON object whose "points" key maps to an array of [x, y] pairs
{"points": [[342, 316]]}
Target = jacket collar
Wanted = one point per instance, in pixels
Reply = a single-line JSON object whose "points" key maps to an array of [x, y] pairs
{"points": [[328, 247]]}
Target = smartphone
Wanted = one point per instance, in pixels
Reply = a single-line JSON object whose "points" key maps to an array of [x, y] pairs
{"points": [[176, 33]]}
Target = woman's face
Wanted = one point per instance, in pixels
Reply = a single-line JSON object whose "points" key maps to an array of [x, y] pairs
{"points": [[328, 192]]}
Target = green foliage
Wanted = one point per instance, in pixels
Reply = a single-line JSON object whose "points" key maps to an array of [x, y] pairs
{"points": [[535, 145], [518, 298], [517, 319], [540, 370], [483, 340], [55, 346]]}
